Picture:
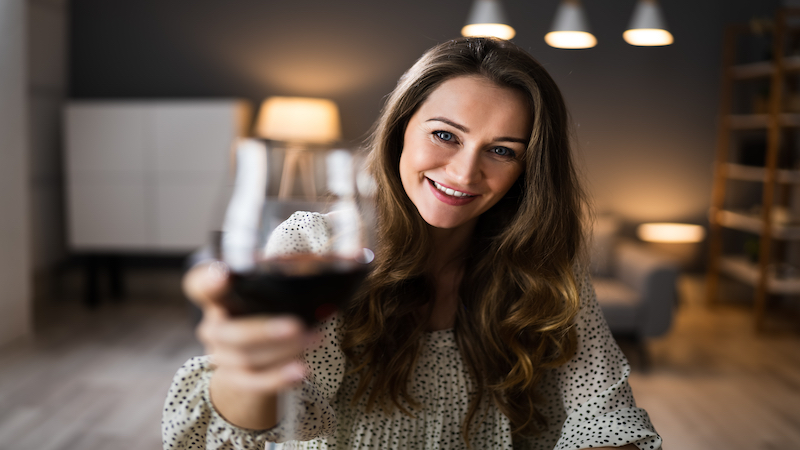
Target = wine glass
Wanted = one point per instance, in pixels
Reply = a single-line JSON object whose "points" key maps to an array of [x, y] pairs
{"points": [[296, 235]]}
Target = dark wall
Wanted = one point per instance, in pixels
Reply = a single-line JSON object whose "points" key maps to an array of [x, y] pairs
{"points": [[645, 118]]}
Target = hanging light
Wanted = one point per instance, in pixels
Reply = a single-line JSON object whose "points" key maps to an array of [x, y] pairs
{"points": [[570, 28], [647, 27], [486, 18]]}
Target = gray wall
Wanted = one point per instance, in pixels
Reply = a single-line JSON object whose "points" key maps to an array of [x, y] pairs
{"points": [[645, 118], [15, 260], [47, 88]]}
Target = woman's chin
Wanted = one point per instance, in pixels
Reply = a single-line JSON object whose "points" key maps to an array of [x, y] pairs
{"points": [[447, 223]]}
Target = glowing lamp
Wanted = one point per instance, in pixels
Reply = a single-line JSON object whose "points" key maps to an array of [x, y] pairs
{"points": [[298, 120], [486, 18], [301, 123], [570, 28], [647, 26], [670, 232]]}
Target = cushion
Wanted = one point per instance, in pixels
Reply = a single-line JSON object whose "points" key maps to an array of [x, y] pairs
{"points": [[619, 303]]}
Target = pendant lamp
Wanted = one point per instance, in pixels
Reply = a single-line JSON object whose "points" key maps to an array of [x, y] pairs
{"points": [[647, 27], [570, 28], [487, 18]]}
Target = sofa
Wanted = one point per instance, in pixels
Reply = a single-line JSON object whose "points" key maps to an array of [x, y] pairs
{"points": [[636, 286]]}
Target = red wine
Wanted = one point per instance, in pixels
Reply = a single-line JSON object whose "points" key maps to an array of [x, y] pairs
{"points": [[308, 286]]}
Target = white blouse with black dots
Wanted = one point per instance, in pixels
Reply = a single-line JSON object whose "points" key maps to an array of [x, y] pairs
{"points": [[587, 401]]}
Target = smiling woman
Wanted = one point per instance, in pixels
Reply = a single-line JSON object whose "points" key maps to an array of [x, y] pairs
{"points": [[478, 326]]}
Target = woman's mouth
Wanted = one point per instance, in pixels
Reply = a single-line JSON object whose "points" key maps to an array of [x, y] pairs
{"points": [[450, 196], [448, 191]]}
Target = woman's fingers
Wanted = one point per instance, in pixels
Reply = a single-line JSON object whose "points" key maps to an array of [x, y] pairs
{"points": [[248, 331], [254, 359], [254, 342], [266, 381], [256, 354]]}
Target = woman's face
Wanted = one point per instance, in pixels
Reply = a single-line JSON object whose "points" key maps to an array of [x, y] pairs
{"points": [[462, 150]]}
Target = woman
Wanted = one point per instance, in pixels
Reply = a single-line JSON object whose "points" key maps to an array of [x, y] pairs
{"points": [[478, 327]]}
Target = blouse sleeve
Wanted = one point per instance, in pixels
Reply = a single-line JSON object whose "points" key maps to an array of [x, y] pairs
{"points": [[592, 391], [190, 420]]}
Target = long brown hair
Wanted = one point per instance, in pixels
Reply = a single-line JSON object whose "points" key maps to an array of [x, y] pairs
{"points": [[518, 294]]}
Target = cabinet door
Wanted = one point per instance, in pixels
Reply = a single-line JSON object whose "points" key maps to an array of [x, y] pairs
{"points": [[194, 136], [188, 209], [193, 142], [107, 212], [148, 176], [106, 137], [105, 154]]}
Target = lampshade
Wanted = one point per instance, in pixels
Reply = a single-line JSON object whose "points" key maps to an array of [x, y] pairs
{"points": [[670, 232], [486, 18], [570, 28], [647, 27], [299, 120]]}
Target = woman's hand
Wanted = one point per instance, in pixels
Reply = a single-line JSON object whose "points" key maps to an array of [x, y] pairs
{"points": [[255, 356]]}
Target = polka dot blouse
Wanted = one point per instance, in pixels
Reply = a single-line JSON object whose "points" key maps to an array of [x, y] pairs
{"points": [[587, 401]]}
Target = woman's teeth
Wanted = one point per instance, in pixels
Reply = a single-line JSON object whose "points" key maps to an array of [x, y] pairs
{"points": [[449, 191]]}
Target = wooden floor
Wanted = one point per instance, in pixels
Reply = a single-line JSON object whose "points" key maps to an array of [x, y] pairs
{"points": [[95, 380], [717, 384]]}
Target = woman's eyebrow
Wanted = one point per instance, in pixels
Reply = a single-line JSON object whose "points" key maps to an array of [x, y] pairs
{"points": [[466, 130], [449, 122], [512, 139]]}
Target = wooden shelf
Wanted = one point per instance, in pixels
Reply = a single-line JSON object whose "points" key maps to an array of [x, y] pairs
{"points": [[761, 121], [759, 174], [763, 69], [754, 224], [775, 206], [743, 270]]}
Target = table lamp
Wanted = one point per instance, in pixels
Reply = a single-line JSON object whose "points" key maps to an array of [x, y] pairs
{"points": [[300, 123], [670, 232], [680, 240]]}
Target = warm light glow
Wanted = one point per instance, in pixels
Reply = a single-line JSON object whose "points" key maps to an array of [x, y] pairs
{"points": [[670, 232], [648, 37], [647, 26], [570, 28], [498, 30], [570, 39], [298, 119], [487, 18]]}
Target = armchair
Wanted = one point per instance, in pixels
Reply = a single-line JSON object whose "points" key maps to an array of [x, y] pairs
{"points": [[636, 287]]}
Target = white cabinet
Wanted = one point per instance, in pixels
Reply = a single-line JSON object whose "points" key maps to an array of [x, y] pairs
{"points": [[148, 176]]}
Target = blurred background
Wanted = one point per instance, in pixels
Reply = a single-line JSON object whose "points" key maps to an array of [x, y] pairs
{"points": [[93, 242]]}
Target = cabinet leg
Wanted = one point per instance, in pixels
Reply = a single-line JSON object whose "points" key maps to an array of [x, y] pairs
{"points": [[111, 266], [91, 288], [115, 277]]}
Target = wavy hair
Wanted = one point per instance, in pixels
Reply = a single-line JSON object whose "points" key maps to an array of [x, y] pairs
{"points": [[518, 295]]}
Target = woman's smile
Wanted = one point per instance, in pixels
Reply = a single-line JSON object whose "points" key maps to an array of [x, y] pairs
{"points": [[450, 196], [449, 191]]}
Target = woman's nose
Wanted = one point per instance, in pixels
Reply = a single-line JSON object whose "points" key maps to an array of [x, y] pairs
{"points": [[464, 166]]}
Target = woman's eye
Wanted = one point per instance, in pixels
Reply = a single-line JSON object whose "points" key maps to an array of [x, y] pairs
{"points": [[444, 135], [504, 151]]}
